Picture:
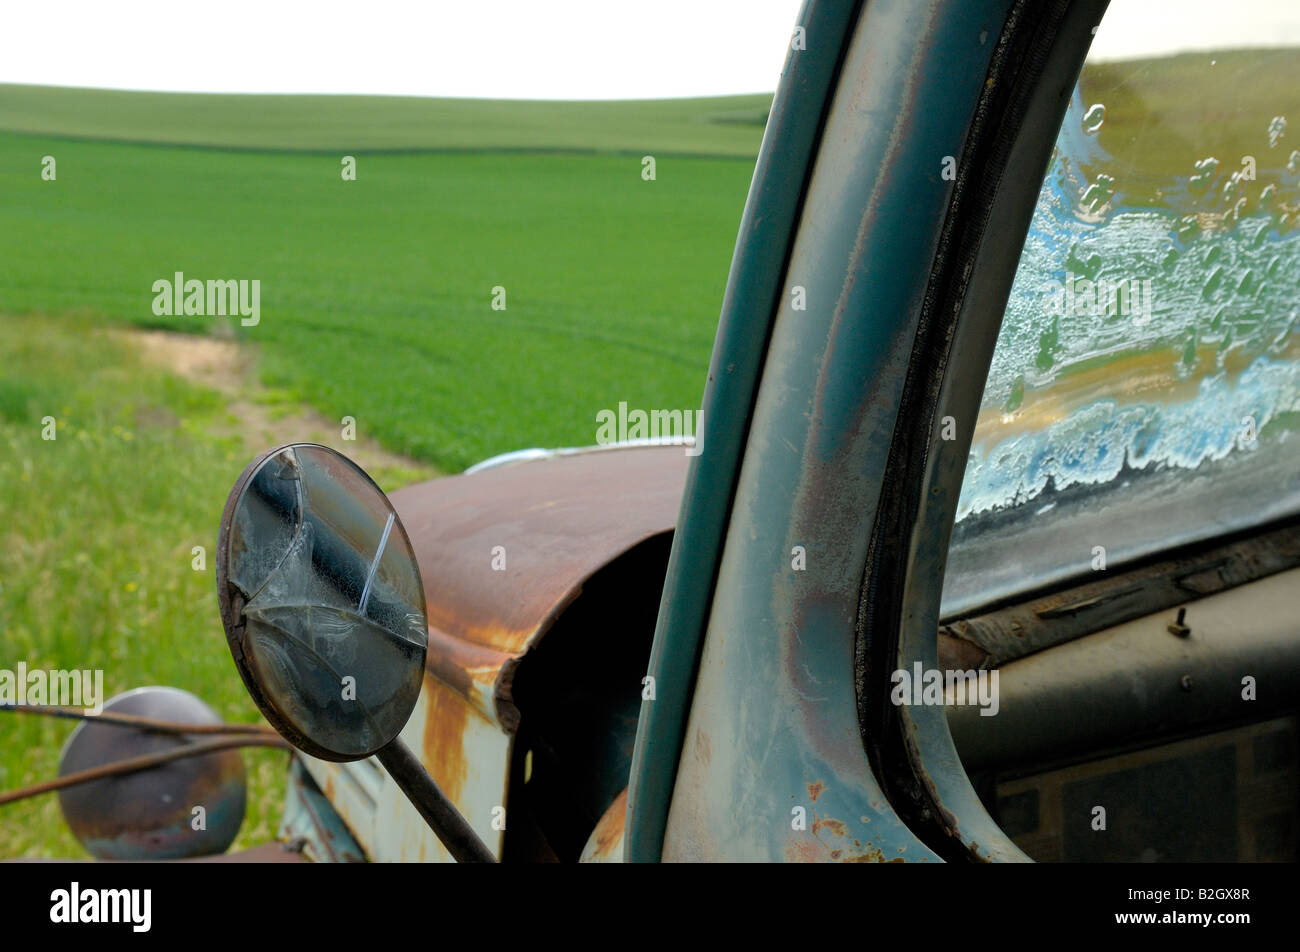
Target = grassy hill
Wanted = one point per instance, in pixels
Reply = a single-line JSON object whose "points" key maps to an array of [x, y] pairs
{"points": [[376, 293], [722, 125]]}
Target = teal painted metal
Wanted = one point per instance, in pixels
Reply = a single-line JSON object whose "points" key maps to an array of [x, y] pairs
{"points": [[774, 722], [1026, 95], [311, 824], [810, 551], [753, 290], [758, 720]]}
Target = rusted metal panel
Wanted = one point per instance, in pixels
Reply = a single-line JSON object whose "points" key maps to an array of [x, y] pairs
{"points": [[468, 756], [556, 521], [608, 843], [312, 825]]}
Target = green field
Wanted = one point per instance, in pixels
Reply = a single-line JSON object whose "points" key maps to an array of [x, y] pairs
{"points": [[376, 293], [375, 303], [96, 541]]}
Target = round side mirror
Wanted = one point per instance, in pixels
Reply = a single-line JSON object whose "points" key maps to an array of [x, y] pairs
{"points": [[322, 602]]}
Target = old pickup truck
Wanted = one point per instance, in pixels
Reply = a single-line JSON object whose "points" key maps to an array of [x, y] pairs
{"points": [[987, 545]]}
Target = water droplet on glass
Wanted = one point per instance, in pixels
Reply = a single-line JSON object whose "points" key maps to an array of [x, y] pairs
{"points": [[1093, 118], [1293, 163], [1276, 130], [1099, 193], [1232, 186], [1280, 341], [1212, 283], [1206, 169], [1221, 358]]}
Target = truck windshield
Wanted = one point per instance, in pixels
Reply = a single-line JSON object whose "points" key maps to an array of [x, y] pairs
{"points": [[1145, 388]]}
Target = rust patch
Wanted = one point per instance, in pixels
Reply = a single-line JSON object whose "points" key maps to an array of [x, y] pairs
{"points": [[815, 789], [703, 749], [456, 522], [471, 669], [606, 839], [558, 522], [446, 718], [836, 827], [815, 848], [803, 851], [958, 654], [869, 855]]}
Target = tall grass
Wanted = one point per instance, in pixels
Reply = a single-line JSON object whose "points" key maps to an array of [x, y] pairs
{"points": [[97, 529]]}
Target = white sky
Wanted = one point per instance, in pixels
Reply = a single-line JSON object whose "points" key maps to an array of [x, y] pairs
{"points": [[534, 49], [1136, 28]]}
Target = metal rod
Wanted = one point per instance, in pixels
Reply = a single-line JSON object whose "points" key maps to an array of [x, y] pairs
{"points": [[431, 803], [143, 762], [135, 720]]}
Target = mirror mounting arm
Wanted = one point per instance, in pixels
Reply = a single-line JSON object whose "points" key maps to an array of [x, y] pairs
{"points": [[432, 804]]}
